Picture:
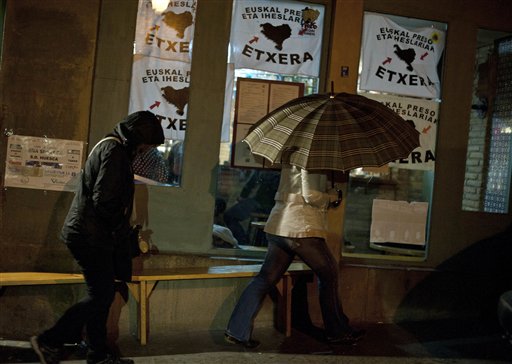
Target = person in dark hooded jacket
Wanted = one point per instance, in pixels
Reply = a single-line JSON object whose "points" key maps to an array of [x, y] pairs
{"points": [[97, 232]]}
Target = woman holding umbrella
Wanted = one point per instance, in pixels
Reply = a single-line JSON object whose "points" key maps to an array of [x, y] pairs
{"points": [[296, 226], [307, 135]]}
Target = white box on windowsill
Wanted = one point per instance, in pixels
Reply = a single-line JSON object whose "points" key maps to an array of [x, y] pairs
{"points": [[398, 222]]}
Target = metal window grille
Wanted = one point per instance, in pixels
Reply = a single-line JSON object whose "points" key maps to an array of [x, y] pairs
{"points": [[500, 148]]}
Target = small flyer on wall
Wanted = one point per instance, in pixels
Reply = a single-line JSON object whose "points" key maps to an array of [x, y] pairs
{"points": [[42, 163]]}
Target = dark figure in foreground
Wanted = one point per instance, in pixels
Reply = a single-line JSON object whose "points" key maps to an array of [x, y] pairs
{"points": [[98, 234], [296, 226]]}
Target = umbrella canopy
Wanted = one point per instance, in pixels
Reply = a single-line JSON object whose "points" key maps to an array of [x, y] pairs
{"points": [[332, 131]]}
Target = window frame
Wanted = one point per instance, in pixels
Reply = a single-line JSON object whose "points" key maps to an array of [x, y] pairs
{"points": [[323, 74], [405, 252]]}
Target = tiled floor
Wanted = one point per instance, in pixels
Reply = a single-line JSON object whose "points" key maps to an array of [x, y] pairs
{"points": [[422, 343]]}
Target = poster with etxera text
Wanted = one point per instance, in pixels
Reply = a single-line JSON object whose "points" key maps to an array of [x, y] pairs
{"points": [[277, 36], [399, 60], [424, 114], [161, 63]]}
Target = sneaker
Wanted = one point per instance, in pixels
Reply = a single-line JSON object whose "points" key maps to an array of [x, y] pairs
{"points": [[349, 338], [111, 359], [250, 344], [46, 354]]}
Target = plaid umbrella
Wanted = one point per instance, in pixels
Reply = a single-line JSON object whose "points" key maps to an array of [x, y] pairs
{"points": [[332, 131]]}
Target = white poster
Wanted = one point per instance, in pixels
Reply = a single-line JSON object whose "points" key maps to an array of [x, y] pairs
{"points": [[43, 163], [161, 64], [162, 87], [166, 34], [277, 36], [400, 60], [424, 115]]}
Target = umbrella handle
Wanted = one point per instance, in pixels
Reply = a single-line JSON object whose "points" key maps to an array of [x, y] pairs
{"points": [[336, 203]]}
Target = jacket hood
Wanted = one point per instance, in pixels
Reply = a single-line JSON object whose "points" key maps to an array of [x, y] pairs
{"points": [[141, 127]]}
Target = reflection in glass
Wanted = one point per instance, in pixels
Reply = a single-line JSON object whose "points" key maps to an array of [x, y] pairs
{"points": [[151, 164], [488, 159], [385, 183], [245, 196], [161, 165]]}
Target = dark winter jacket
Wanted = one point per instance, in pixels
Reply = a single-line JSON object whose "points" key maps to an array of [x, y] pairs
{"points": [[100, 212]]}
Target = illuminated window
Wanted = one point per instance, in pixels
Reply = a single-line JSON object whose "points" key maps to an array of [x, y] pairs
{"points": [[245, 195], [160, 83]]}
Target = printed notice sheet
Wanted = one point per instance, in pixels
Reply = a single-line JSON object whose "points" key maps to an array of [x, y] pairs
{"points": [[42, 163]]}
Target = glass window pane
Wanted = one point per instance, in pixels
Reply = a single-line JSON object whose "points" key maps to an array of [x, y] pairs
{"points": [[160, 82], [488, 158], [387, 207], [246, 195]]}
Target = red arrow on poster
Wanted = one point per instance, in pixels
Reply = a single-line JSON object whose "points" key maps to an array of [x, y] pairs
{"points": [[156, 104], [424, 55], [255, 39], [425, 130], [388, 60]]}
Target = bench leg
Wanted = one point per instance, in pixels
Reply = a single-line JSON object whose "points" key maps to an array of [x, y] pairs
{"points": [[284, 305], [143, 313], [139, 291], [146, 288]]}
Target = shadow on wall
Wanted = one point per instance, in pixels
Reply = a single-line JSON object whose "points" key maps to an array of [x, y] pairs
{"points": [[54, 255], [466, 286]]}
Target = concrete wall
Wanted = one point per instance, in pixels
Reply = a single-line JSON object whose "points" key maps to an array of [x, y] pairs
{"points": [[65, 73], [47, 71]]}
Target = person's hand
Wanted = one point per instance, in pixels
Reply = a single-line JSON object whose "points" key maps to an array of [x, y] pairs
{"points": [[335, 197]]}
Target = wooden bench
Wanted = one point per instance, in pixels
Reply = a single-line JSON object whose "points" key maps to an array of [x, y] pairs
{"points": [[143, 283]]}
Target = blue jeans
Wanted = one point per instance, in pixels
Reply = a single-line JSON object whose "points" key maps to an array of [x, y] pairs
{"points": [[280, 254]]}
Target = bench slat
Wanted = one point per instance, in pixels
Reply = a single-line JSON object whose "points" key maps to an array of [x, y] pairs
{"points": [[224, 271], [37, 278], [227, 271]]}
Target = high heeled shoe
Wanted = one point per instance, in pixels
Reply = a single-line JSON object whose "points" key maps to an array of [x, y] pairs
{"points": [[249, 344]]}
